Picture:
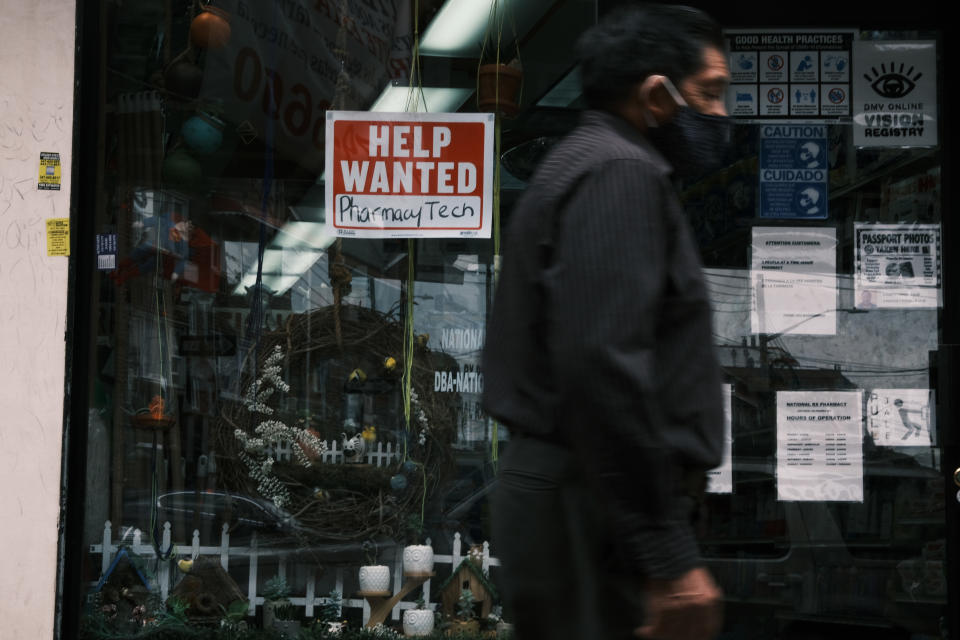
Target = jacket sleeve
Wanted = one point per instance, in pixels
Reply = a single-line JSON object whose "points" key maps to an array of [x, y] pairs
{"points": [[607, 284]]}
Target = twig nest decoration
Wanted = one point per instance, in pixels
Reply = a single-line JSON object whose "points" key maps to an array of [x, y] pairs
{"points": [[210, 29], [417, 559], [375, 578], [355, 502], [358, 502]]}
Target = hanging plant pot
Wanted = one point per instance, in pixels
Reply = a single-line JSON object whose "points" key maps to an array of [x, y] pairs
{"points": [[183, 80], [375, 578], [417, 622], [203, 133], [418, 560], [498, 89], [210, 29]]}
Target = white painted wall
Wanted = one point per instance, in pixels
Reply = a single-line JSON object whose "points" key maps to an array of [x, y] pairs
{"points": [[36, 114]]}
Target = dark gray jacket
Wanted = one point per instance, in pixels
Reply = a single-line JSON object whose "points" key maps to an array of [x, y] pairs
{"points": [[601, 333]]}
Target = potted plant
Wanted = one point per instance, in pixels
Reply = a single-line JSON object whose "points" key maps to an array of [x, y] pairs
{"points": [[418, 621], [234, 616], [417, 558], [500, 74], [498, 87], [465, 621], [374, 578], [277, 608], [329, 615], [496, 623]]}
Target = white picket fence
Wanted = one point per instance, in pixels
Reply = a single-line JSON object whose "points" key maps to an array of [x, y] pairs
{"points": [[168, 575], [382, 455]]}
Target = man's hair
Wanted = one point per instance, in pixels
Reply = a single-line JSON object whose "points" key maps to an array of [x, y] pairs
{"points": [[635, 41]]}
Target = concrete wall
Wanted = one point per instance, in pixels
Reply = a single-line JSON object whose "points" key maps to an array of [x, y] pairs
{"points": [[36, 115]]}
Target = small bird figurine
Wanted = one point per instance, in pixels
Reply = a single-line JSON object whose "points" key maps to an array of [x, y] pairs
{"points": [[185, 564], [357, 375], [369, 433], [389, 363], [320, 495]]}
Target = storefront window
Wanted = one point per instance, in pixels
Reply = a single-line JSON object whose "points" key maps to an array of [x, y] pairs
{"points": [[274, 406], [823, 317], [271, 400]]}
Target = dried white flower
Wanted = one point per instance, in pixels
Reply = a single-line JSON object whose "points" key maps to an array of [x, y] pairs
{"points": [[259, 447]]}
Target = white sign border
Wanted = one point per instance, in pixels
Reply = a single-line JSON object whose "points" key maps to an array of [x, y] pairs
{"points": [[486, 214]]}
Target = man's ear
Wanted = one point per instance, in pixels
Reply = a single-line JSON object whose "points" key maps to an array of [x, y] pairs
{"points": [[656, 100]]}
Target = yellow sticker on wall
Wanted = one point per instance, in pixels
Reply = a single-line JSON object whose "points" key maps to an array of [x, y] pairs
{"points": [[49, 171], [58, 236]]}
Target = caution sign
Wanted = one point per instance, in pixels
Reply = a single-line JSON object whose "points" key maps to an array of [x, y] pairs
{"points": [[896, 94], [58, 236], [409, 175], [793, 171], [49, 171]]}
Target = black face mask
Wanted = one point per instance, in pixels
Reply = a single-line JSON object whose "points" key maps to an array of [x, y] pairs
{"points": [[694, 143]]}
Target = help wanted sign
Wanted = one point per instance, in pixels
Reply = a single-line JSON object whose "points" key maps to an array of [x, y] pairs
{"points": [[409, 175]]}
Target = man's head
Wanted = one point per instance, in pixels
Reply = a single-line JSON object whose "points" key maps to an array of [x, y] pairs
{"points": [[627, 56]]}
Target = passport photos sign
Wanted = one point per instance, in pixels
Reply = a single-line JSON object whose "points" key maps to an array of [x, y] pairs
{"points": [[409, 175]]}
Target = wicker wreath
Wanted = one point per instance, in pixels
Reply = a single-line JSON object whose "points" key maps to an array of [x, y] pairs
{"points": [[351, 348]]}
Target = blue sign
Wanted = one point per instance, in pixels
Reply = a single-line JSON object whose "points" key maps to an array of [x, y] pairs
{"points": [[794, 171], [106, 251]]}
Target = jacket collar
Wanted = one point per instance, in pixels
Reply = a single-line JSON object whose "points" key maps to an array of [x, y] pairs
{"points": [[623, 129]]}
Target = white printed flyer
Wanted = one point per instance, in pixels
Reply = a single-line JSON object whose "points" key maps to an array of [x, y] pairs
{"points": [[794, 281], [819, 446], [720, 479], [899, 417], [897, 266]]}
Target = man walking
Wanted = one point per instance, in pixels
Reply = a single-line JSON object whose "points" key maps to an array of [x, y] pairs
{"points": [[599, 355]]}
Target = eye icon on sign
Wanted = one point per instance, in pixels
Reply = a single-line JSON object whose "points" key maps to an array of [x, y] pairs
{"points": [[892, 82], [837, 95], [775, 62], [775, 95]]}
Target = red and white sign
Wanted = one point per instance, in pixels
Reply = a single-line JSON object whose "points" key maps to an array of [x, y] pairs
{"points": [[409, 175]]}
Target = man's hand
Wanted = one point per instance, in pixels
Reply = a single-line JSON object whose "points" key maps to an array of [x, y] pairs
{"points": [[687, 608]]}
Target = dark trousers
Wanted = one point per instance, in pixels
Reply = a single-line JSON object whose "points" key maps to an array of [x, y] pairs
{"points": [[559, 568]]}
